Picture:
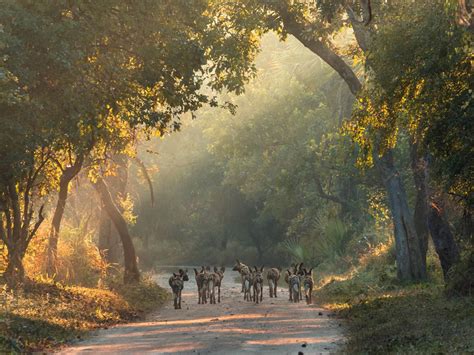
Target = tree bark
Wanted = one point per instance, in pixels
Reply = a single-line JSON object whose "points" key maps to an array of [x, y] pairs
{"points": [[131, 273], [419, 166], [298, 30], [68, 174], [109, 239], [411, 266], [443, 239], [15, 271]]}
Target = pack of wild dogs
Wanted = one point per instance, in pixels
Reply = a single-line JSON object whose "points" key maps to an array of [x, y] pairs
{"points": [[209, 281]]}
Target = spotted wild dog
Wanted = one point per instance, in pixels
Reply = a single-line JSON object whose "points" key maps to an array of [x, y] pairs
{"points": [[308, 284], [242, 269], [300, 272], [247, 283], [295, 286], [257, 284], [273, 275], [212, 285], [176, 283], [292, 270], [199, 276], [220, 273]]}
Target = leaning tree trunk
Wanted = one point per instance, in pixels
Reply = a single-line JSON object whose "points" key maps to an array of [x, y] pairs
{"points": [[131, 274], [66, 177], [411, 266], [109, 238]]}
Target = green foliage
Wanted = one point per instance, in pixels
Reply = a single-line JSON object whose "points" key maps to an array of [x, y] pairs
{"points": [[244, 183], [422, 87]]}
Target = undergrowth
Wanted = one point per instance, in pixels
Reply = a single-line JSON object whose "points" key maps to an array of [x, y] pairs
{"points": [[384, 315], [43, 315]]}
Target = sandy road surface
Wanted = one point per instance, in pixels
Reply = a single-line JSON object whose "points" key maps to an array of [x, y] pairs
{"points": [[234, 326]]}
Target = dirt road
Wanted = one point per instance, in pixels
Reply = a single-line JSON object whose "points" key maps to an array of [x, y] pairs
{"points": [[234, 326]]}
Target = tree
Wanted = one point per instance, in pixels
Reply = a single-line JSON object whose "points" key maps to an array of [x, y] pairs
{"points": [[314, 25], [94, 72], [418, 83]]}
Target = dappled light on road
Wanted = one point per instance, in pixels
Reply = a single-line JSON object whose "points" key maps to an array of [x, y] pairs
{"points": [[233, 326]]}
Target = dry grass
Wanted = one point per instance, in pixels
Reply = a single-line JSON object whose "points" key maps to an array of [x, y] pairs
{"points": [[45, 315], [386, 316]]}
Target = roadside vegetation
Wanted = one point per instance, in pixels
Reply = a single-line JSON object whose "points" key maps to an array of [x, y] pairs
{"points": [[383, 315], [44, 314]]}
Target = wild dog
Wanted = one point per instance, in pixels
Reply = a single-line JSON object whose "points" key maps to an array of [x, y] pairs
{"points": [[242, 269], [220, 273], [291, 271], [214, 280], [299, 270], [257, 284], [199, 276], [295, 286], [308, 284], [247, 283], [176, 284], [206, 283], [273, 275]]}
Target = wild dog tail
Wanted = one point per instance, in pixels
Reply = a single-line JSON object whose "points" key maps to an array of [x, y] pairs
{"points": [[271, 284], [211, 284], [247, 284]]}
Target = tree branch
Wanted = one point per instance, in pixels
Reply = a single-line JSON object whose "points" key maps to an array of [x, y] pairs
{"points": [[298, 30], [147, 177], [37, 224], [323, 194]]}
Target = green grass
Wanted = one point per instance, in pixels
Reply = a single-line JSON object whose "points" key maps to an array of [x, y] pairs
{"points": [[43, 316], [384, 316]]}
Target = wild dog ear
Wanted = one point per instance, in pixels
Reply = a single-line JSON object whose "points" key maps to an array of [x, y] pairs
{"points": [[310, 271], [261, 269], [222, 268], [195, 271], [174, 274], [180, 271], [255, 268]]}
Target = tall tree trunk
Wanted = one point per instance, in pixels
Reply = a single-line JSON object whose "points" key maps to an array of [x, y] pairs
{"points": [[131, 274], [429, 215], [68, 174], [15, 271], [419, 166], [109, 238], [411, 266]]}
